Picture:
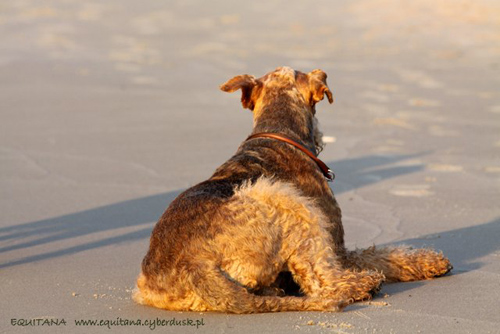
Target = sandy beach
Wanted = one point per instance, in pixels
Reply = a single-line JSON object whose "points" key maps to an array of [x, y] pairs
{"points": [[110, 109]]}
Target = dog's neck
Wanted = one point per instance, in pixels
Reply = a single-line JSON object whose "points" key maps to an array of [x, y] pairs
{"points": [[283, 115]]}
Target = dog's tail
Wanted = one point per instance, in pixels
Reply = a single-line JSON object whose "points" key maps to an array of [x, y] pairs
{"points": [[400, 264], [213, 291]]}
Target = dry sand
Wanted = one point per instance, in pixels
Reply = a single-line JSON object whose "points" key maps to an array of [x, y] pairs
{"points": [[109, 109]]}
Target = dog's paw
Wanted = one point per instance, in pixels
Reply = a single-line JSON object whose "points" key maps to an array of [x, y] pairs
{"points": [[369, 285], [423, 263], [434, 264], [334, 305], [355, 286]]}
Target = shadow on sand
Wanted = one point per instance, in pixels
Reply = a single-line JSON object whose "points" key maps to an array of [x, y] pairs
{"points": [[142, 212]]}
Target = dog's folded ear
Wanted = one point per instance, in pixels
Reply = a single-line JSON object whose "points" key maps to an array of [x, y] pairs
{"points": [[318, 86], [247, 84]]}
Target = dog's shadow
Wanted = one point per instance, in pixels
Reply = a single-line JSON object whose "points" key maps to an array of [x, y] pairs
{"points": [[133, 220], [355, 173], [103, 224]]}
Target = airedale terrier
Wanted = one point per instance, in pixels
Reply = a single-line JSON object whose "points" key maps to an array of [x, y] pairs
{"points": [[228, 243]]}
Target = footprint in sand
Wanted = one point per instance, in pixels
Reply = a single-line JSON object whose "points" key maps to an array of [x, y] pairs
{"points": [[127, 67], [445, 168], [378, 97], [492, 169], [144, 80], [495, 109], [394, 122], [419, 78], [439, 131], [390, 88], [420, 102], [412, 190]]}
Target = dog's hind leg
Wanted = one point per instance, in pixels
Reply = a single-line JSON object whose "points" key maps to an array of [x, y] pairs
{"points": [[399, 263], [222, 294], [306, 244], [208, 289]]}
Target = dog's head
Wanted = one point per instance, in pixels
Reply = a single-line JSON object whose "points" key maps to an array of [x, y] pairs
{"points": [[308, 88], [283, 85]]}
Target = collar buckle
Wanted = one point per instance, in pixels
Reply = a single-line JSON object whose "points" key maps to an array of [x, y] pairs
{"points": [[330, 175]]}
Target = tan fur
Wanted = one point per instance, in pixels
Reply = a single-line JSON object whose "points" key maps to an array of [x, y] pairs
{"points": [[224, 244], [272, 228], [401, 263]]}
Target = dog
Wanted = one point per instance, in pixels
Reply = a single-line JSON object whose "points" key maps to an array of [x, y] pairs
{"points": [[232, 243]]}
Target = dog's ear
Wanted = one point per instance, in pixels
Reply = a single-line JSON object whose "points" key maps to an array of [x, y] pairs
{"points": [[318, 86], [247, 84]]}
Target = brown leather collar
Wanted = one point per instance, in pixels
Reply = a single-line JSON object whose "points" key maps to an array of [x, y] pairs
{"points": [[327, 172]]}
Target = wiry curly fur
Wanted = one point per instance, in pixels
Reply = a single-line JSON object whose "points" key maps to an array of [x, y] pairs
{"points": [[228, 243], [318, 137]]}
